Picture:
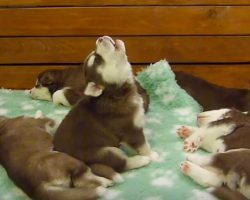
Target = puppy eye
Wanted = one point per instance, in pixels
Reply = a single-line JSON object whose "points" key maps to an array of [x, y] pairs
{"points": [[98, 60]]}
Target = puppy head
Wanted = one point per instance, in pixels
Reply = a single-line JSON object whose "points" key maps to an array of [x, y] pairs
{"points": [[107, 65], [207, 117], [47, 83]]}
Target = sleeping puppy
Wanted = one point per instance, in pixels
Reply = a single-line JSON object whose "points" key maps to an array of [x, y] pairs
{"points": [[66, 87], [219, 131], [230, 169], [211, 96], [111, 113], [60, 86], [26, 154]]}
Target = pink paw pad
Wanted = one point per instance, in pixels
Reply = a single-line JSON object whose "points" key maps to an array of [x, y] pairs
{"points": [[190, 146], [184, 167], [183, 132]]}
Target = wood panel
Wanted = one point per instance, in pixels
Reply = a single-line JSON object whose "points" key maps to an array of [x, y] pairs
{"points": [[35, 3], [126, 20], [183, 49], [237, 76]]}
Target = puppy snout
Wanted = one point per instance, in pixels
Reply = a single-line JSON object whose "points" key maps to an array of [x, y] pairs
{"points": [[99, 40]]}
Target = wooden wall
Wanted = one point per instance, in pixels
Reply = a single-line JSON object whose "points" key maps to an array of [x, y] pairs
{"points": [[207, 38]]}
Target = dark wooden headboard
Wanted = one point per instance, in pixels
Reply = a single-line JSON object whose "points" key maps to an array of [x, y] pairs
{"points": [[207, 38]]}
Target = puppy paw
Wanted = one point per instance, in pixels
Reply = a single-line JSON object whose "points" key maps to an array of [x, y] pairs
{"points": [[101, 191], [154, 156], [191, 144], [137, 162], [185, 131], [117, 178], [105, 182], [185, 167]]}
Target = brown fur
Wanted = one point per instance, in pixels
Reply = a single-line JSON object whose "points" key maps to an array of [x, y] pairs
{"points": [[240, 136], [211, 96], [225, 193], [237, 161], [74, 78], [26, 154], [94, 128], [100, 122]]}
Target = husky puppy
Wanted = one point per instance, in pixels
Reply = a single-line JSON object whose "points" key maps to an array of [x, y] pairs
{"points": [[229, 169], [218, 131], [26, 154], [111, 113]]}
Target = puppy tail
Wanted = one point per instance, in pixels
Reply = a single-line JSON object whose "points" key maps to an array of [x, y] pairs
{"points": [[224, 193], [65, 193]]}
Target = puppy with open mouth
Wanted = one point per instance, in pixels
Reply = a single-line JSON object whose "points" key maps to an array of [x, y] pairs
{"points": [[26, 154], [111, 113]]}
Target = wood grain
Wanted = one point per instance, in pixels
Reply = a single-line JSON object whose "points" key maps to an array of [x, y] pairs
{"points": [[125, 20], [236, 76], [176, 49], [34, 3]]}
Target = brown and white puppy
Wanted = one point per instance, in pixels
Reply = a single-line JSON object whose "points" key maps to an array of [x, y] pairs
{"points": [[111, 113], [66, 87], [60, 86], [26, 154], [230, 169], [211, 96], [218, 131]]}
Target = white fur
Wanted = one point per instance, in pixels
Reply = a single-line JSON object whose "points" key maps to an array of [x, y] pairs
{"points": [[199, 159], [39, 114], [200, 175], [139, 117], [145, 150], [51, 128], [101, 191], [208, 138], [207, 117], [117, 178], [200, 170], [91, 60], [41, 93], [116, 69], [137, 162], [93, 90], [59, 97]]}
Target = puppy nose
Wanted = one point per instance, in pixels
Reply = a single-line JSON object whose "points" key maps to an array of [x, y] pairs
{"points": [[100, 39]]}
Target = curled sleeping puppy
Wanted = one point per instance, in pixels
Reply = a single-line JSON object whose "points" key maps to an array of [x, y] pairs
{"points": [[66, 87], [26, 154], [218, 131], [110, 113], [60, 86], [230, 169]]}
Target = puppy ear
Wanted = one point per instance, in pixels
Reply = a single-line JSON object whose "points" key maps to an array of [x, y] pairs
{"points": [[93, 90]]}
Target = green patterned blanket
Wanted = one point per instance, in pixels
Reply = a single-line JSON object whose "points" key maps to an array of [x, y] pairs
{"points": [[170, 107]]}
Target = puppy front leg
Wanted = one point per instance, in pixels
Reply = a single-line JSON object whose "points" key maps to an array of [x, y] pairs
{"points": [[60, 98], [136, 139]]}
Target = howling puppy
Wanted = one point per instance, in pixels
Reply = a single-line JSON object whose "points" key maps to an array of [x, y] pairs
{"points": [[230, 169], [218, 131], [26, 154], [66, 87], [111, 113]]}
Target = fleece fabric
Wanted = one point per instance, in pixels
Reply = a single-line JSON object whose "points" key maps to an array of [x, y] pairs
{"points": [[170, 107]]}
